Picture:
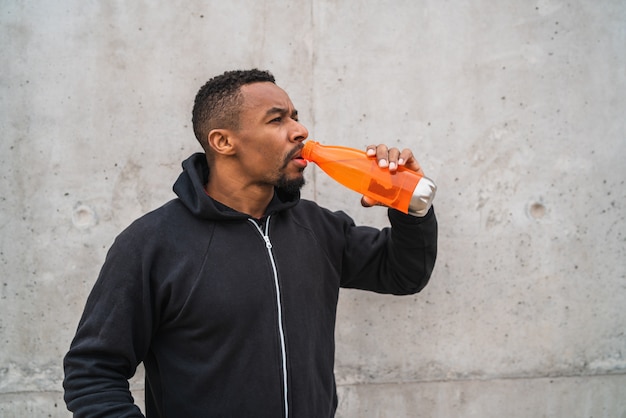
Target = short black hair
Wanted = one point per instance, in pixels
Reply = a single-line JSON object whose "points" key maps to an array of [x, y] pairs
{"points": [[217, 103]]}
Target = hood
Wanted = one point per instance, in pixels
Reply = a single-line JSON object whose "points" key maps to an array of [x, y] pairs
{"points": [[189, 187]]}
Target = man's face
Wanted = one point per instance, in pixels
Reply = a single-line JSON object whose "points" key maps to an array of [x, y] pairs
{"points": [[269, 137]]}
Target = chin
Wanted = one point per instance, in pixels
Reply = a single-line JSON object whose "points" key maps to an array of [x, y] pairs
{"points": [[291, 185]]}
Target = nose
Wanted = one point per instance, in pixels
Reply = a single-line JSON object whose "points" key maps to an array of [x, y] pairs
{"points": [[299, 133]]}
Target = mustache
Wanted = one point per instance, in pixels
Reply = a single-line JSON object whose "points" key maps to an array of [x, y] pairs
{"points": [[292, 154]]}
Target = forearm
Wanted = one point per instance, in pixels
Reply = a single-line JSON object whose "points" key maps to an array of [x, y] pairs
{"points": [[412, 250], [94, 388], [397, 260]]}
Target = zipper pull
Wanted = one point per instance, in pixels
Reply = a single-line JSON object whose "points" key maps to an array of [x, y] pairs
{"points": [[268, 244]]}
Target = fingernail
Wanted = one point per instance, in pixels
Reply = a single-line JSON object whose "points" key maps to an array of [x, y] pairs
{"points": [[400, 161], [371, 152], [392, 166], [382, 163]]}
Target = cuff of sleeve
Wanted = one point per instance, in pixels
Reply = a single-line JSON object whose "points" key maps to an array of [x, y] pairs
{"points": [[396, 215]]}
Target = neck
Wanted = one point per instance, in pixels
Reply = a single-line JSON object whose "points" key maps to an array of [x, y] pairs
{"points": [[249, 199]]}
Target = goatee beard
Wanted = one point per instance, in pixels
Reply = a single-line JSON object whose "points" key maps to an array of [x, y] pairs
{"points": [[291, 186]]}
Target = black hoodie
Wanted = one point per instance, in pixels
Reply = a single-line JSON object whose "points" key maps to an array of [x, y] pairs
{"points": [[232, 316]]}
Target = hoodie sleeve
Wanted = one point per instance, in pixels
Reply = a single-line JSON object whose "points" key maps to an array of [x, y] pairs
{"points": [[112, 337], [397, 260]]}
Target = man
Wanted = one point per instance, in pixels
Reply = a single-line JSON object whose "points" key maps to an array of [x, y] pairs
{"points": [[228, 293]]}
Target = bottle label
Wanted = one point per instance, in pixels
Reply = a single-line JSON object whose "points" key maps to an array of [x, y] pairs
{"points": [[384, 193]]}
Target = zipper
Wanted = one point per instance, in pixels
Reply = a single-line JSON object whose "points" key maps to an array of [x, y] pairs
{"points": [[281, 332]]}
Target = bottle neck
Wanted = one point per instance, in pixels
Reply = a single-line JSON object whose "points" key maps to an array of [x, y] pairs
{"points": [[307, 150]]}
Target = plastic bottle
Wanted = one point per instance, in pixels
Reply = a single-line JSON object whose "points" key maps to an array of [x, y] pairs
{"points": [[404, 190]]}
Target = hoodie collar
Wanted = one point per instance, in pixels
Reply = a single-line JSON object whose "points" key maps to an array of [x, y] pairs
{"points": [[190, 190]]}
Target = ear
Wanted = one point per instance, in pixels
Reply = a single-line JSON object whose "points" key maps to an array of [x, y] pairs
{"points": [[220, 142]]}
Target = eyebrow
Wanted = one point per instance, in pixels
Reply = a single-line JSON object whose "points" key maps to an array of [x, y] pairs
{"points": [[281, 111]]}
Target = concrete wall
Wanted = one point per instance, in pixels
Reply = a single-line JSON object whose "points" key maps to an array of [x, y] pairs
{"points": [[516, 108]]}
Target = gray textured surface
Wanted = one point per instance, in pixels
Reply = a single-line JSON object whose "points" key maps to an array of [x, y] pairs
{"points": [[515, 108]]}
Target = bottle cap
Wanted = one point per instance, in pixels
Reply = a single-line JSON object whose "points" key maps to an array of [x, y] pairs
{"points": [[422, 198]]}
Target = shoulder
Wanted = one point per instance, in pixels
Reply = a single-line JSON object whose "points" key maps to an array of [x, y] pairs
{"points": [[329, 227], [311, 214], [171, 222], [156, 219]]}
